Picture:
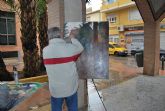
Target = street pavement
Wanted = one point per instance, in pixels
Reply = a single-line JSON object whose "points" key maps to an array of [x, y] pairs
{"points": [[142, 93], [120, 68], [119, 91], [127, 90]]}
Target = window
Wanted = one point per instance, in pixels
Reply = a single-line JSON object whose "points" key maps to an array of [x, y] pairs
{"points": [[7, 28], [114, 38], [10, 54], [110, 46], [111, 19], [134, 14], [110, 39], [116, 45], [111, 1], [108, 1], [138, 40]]}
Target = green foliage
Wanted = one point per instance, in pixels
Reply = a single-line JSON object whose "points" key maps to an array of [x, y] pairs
{"points": [[9, 1], [41, 7]]}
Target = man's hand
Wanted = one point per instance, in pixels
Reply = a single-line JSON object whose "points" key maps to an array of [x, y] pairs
{"points": [[74, 33]]}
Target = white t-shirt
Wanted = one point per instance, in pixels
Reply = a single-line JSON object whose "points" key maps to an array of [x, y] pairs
{"points": [[59, 59]]}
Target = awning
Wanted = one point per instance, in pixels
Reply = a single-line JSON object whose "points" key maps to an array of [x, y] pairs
{"points": [[131, 33]]}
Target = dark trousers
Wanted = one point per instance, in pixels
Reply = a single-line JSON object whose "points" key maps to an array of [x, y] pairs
{"points": [[71, 102]]}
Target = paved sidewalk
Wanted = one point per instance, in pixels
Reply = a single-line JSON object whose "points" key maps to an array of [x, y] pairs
{"points": [[94, 101], [126, 90], [142, 93]]}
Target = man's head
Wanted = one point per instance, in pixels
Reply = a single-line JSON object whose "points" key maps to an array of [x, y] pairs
{"points": [[54, 32]]}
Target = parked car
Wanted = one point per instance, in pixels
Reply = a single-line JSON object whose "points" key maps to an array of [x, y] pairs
{"points": [[116, 49], [162, 53], [133, 52]]}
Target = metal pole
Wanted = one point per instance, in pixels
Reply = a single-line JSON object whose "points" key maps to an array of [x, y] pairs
{"points": [[15, 75]]}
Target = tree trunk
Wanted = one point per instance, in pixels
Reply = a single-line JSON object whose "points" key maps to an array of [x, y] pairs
{"points": [[29, 38], [43, 37]]}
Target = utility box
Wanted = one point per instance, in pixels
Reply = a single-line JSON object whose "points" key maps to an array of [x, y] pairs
{"points": [[139, 59]]}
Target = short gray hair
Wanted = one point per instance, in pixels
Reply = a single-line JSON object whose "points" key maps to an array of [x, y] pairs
{"points": [[54, 32]]}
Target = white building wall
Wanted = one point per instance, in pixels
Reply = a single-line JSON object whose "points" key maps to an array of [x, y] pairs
{"points": [[93, 16]]}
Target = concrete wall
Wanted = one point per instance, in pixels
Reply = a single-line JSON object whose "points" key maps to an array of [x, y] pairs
{"points": [[73, 10], [73, 13], [60, 11], [54, 13]]}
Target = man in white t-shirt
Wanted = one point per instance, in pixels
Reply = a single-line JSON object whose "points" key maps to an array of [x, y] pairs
{"points": [[60, 62]]}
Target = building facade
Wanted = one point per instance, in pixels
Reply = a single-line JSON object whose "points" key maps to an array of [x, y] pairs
{"points": [[10, 42], [93, 15], [126, 24]]}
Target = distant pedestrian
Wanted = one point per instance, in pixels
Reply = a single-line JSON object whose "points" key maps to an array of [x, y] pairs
{"points": [[59, 59]]}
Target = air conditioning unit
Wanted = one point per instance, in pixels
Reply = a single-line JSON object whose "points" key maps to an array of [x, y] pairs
{"points": [[121, 28]]}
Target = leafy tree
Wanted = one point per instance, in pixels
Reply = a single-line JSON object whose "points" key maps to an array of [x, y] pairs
{"points": [[38, 19], [32, 12], [42, 18], [29, 37]]}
